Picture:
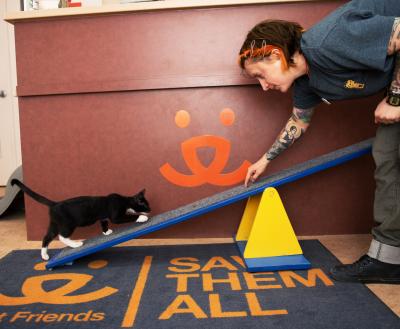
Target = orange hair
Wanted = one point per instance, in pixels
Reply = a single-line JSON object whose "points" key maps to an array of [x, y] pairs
{"points": [[264, 51]]}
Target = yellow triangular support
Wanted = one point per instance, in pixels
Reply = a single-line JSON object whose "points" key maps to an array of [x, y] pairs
{"points": [[266, 228], [249, 214]]}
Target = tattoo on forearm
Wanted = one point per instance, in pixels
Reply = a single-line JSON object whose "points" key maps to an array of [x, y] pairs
{"points": [[294, 129], [395, 85], [394, 42], [304, 115], [275, 150]]}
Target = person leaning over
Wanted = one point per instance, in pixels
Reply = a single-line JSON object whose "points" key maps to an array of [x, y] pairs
{"points": [[353, 52]]}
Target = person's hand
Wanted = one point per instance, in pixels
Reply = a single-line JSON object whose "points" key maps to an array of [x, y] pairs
{"points": [[255, 170], [386, 113]]}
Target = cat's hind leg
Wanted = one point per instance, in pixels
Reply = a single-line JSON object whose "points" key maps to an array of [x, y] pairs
{"points": [[70, 243], [65, 233], [52, 232]]}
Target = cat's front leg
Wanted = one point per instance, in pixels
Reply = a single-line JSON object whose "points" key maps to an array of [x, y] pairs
{"points": [[142, 219], [104, 227]]}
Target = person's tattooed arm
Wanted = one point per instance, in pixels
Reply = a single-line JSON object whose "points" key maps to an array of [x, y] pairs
{"points": [[293, 130], [394, 41], [394, 49], [388, 110]]}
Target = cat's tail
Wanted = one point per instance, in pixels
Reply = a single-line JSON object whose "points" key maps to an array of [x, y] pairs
{"points": [[32, 194]]}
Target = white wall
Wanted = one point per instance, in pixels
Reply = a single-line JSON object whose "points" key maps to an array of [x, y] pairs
{"points": [[10, 157]]}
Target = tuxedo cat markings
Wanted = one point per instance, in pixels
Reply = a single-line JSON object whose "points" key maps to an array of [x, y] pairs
{"points": [[67, 215]]}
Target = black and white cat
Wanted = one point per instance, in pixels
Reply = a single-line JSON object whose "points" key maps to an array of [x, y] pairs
{"points": [[69, 214]]}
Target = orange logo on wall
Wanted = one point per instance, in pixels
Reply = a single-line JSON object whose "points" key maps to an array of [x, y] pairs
{"points": [[212, 173]]}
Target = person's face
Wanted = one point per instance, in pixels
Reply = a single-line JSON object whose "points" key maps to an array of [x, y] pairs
{"points": [[269, 73]]}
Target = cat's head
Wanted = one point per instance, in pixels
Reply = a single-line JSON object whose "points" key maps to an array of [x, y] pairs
{"points": [[140, 204]]}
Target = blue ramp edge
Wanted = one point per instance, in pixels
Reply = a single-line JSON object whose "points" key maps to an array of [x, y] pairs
{"points": [[211, 203], [277, 263]]}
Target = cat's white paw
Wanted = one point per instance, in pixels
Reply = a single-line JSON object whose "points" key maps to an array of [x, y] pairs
{"points": [[76, 244], [130, 211], [44, 254], [70, 243], [142, 219], [108, 232]]}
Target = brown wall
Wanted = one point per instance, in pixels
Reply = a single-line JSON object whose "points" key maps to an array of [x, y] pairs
{"points": [[98, 99]]}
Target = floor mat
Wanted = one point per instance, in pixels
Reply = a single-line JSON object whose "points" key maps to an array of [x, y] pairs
{"points": [[188, 286]]}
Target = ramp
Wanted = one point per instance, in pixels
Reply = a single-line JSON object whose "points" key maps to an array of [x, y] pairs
{"points": [[11, 191], [211, 203]]}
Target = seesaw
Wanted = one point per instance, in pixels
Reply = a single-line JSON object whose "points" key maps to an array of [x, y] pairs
{"points": [[169, 218]]}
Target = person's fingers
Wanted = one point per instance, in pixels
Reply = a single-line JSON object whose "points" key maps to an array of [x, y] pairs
{"points": [[255, 176], [249, 177], [246, 181], [379, 119]]}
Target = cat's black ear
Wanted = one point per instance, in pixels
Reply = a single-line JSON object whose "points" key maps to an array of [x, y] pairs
{"points": [[142, 192]]}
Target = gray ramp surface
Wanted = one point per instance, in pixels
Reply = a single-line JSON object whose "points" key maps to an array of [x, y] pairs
{"points": [[208, 204], [10, 191]]}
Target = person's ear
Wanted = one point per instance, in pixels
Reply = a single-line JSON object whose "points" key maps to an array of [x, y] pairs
{"points": [[275, 53]]}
